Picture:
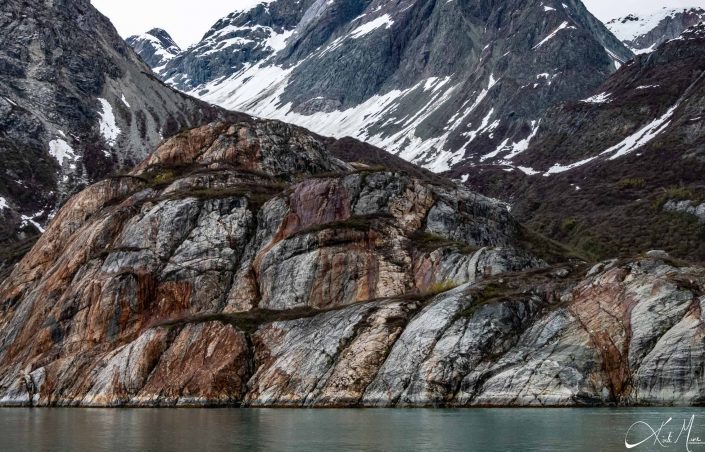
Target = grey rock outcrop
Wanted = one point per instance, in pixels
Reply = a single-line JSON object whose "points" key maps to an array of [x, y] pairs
{"points": [[687, 207], [242, 264]]}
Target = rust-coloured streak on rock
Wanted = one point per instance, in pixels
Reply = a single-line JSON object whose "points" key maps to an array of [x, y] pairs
{"points": [[206, 364], [424, 272], [173, 297], [348, 273], [184, 148], [315, 203], [605, 311]]}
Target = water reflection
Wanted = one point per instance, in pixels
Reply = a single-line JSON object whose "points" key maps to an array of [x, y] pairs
{"points": [[326, 430]]}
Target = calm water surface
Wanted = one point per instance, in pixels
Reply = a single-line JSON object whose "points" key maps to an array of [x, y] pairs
{"points": [[341, 430]]}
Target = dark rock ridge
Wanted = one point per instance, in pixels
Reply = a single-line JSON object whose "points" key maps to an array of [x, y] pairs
{"points": [[156, 47], [76, 103], [242, 264], [645, 32], [436, 82], [621, 171]]}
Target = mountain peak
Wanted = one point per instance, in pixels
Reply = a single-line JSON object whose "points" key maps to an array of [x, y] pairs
{"points": [[156, 47], [162, 35], [644, 32]]}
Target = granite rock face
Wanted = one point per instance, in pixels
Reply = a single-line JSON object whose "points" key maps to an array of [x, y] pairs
{"points": [[242, 264]]}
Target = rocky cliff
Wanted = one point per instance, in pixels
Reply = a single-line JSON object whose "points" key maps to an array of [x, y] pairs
{"points": [[76, 103], [436, 82], [242, 264]]}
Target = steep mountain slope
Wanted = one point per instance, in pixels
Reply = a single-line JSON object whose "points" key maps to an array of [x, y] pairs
{"points": [[433, 81], [76, 103], [644, 33], [621, 171], [241, 264], [155, 47]]}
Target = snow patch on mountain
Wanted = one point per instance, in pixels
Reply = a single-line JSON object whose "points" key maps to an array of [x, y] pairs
{"points": [[523, 145], [61, 151], [108, 125], [278, 41], [26, 220], [642, 137], [601, 98], [512, 150], [560, 168], [485, 127], [528, 171], [628, 145], [563, 26], [367, 28]]}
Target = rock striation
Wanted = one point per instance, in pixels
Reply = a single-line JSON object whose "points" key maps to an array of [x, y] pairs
{"points": [[241, 264]]}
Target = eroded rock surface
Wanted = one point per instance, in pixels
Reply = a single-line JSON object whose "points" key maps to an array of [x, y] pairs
{"points": [[241, 264]]}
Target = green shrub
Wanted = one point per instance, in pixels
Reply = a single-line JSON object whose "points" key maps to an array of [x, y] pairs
{"points": [[428, 242], [441, 286], [674, 194], [568, 225], [631, 182], [164, 177]]}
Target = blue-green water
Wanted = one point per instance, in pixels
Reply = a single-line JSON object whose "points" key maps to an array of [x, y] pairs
{"points": [[345, 430]]}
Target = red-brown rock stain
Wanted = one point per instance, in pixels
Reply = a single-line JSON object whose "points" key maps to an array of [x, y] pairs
{"points": [[354, 262], [604, 310]]}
